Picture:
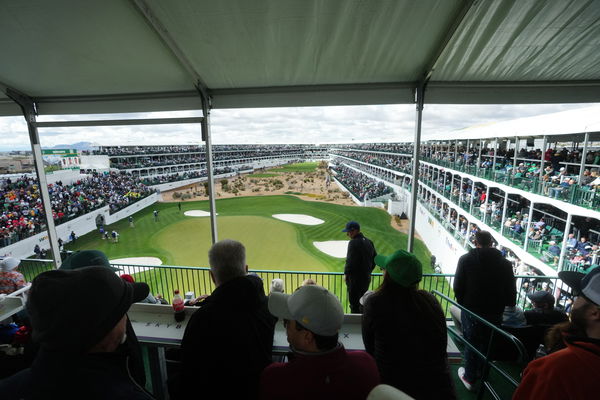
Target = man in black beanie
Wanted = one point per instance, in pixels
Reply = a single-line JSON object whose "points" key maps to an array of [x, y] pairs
{"points": [[131, 346], [78, 340]]}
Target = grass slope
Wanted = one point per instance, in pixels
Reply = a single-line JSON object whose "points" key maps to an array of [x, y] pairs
{"points": [[272, 244]]}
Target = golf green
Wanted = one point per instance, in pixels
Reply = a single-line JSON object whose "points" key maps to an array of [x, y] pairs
{"points": [[271, 244], [189, 241]]}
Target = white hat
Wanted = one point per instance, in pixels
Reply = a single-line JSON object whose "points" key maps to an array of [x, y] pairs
{"points": [[562, 168], [9, 263], [277, 285], [313, 306]]}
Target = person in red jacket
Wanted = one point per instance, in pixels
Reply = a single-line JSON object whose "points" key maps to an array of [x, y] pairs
{"points": [[573, 372], [319, 366]]}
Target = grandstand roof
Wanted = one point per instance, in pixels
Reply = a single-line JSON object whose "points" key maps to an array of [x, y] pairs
{"points": [[76, 57], [560, 126]]}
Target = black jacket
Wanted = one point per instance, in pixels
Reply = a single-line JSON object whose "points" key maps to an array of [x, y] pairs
{"points": [[405, 331], [542, 316], [57, 375], [227, 343], [359, 259], [484, 283]]}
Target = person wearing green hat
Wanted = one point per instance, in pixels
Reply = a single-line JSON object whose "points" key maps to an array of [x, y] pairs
{"points": [[404, 329]]}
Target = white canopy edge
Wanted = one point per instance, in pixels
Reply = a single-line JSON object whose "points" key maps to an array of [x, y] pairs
{"points": [[564, 123]]}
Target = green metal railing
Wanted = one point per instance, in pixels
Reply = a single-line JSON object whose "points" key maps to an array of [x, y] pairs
{"points": [[486, 353], [164, 279]]}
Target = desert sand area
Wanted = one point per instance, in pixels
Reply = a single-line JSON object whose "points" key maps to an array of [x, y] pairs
{"points": [[309, 186]]}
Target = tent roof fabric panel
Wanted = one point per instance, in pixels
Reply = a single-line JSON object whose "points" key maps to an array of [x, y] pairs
{"points": [[235, 44], [526, 40], [80, 48], [73, 56]]}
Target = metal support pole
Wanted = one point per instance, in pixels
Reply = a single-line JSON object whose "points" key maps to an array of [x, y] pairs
{"points": [[563, 247], [472, 197], [504, 208], [206, 137], [583, 155], [481, 141], [516, 154], [29, 111], [455, 152], [496, 147], [529, 224], [487, 200], [419, 94]]}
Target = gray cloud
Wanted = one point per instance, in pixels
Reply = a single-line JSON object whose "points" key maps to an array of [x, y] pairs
{"points": [[280, 125]]}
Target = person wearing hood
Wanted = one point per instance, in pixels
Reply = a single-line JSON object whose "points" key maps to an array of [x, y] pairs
{"points": [[10, 280], [79, 340], [131, 346], [229, 340], [484, 284]]}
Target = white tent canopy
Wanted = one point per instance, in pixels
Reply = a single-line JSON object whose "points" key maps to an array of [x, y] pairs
{"points": [[564, 125], [75, 57]]}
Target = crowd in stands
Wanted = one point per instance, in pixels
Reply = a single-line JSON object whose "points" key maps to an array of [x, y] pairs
{"points": [[360, 184], [22, 214], [546, 242]]}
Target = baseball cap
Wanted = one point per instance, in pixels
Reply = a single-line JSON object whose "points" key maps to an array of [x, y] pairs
{"points": [[9, 263], [403, 267], [351, 225], [72, 310], [87, 258], [586, 284], [541, 296], [313, 306]]}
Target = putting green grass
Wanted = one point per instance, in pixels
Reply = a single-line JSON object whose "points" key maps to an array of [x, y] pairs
{"points": [[264, 251], [271, 244], [297, 167]]}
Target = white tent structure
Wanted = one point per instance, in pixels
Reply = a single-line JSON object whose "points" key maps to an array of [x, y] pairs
{"points": [[118, 56]]}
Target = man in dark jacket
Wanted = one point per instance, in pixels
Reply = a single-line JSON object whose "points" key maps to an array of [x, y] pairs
{"points": [[79, 340], [543, 311], [359, 265], [131, 347], [484, 283], [229, 340]]}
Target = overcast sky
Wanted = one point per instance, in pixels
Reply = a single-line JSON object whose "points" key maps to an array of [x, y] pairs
{"points": [[279, 125]]}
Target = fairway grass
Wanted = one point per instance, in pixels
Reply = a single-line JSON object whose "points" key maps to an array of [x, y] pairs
{"points": [[271, 244]]}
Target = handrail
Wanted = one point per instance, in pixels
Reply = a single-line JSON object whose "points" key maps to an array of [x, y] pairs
{"points": [[487, 357]]}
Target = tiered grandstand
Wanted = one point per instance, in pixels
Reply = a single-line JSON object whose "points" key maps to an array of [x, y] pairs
{"points": [[537, 193]]}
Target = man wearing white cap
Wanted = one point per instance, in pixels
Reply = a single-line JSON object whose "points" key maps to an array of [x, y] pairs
{"points": [[319, 366], [10, 280]]}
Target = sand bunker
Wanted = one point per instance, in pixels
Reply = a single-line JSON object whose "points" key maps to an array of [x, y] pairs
{"points": [[136, 261], [302, 219], [333, 248], [197, 213]]}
